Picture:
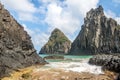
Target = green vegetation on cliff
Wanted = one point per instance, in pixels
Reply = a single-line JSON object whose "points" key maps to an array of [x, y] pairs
{"points": [[57, 37], [58, 43]]}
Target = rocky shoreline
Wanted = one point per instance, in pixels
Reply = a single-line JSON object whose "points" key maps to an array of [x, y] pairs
{"points": [[38, 73], [99, 34], [107, 61]]}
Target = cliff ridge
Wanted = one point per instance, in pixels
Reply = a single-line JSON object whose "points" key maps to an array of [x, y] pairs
{"points": [[98, 34]]}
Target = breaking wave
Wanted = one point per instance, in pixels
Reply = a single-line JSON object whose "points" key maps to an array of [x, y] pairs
{"points": [[81, 66]]}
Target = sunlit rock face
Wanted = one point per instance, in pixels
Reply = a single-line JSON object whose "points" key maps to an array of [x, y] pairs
{"points": [[16, 48], [58, 43], [98, 34]]}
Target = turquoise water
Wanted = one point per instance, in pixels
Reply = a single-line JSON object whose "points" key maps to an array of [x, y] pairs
{"points": [[68, 58], [76, 57]]}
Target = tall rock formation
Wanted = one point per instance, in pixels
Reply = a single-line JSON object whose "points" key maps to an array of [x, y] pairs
{"points": [[58, 43], [16, 48], [98, 34]]}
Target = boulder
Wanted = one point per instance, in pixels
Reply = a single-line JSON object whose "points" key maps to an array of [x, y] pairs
{"points": [[109, 62]]}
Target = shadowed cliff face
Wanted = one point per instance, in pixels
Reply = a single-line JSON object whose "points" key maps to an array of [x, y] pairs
{"points": [[98, 34], [58, 43], [16, 48]]}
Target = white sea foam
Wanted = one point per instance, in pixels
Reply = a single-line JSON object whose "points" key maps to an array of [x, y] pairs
{"points": [[82, 66]]}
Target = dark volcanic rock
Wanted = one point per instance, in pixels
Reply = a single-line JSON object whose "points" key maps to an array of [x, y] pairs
{"points": [[98, 34], [110, 62], [54, 57], [58, 43], [16, 48]]}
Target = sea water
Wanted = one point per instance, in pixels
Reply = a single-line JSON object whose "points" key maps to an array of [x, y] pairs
{"points": [[71, 58], [73, 63]]}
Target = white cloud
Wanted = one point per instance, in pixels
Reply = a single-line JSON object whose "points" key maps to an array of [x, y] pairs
{"points": [[67, 15], [111, 14], [24, 8], [30, 32], [39, 38], [116, 1], [118, 19], [27, 17], [56, 17], [80, 7], [42, 10]]}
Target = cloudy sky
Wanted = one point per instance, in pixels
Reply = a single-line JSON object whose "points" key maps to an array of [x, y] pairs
{"points": [[40, 17]]}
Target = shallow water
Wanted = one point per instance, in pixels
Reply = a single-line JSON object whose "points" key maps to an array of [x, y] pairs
{"points": [[68, 58], [73, 63]]}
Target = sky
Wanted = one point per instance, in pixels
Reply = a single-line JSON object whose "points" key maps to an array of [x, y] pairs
{"points": [[40, 17]]}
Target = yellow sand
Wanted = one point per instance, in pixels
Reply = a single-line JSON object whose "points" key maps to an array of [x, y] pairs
{"points": [[38, 73], [18, 74]]}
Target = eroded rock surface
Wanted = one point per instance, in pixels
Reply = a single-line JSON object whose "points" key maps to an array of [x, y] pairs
{"points": [[98, 34], [58, 43], [16, 48], [110, 62]]}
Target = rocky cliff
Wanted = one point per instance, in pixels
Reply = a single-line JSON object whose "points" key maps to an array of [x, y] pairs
{"points": [[58, 43], [16, 48], [98, 34]]}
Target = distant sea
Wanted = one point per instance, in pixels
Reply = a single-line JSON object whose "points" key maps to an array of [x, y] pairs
{"points": [[72, 58]]}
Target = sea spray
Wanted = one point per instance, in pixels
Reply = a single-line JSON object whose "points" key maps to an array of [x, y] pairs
{"points": [[81, 66]]}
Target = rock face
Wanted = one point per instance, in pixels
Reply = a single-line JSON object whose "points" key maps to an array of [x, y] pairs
{"points": [[58, 43], [16, 48], [107, 61], [98, 34]]}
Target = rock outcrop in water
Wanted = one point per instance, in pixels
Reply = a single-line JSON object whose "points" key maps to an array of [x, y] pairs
{"points": [[58, 43], [55, 57], [16, 48], [107, 61], [98, 34]]}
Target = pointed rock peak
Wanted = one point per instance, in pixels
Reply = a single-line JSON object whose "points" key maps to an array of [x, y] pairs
{"points": [[96, 12], [99, 34], [100, 8], [56, 30], [58, 43], [58, 34]]}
